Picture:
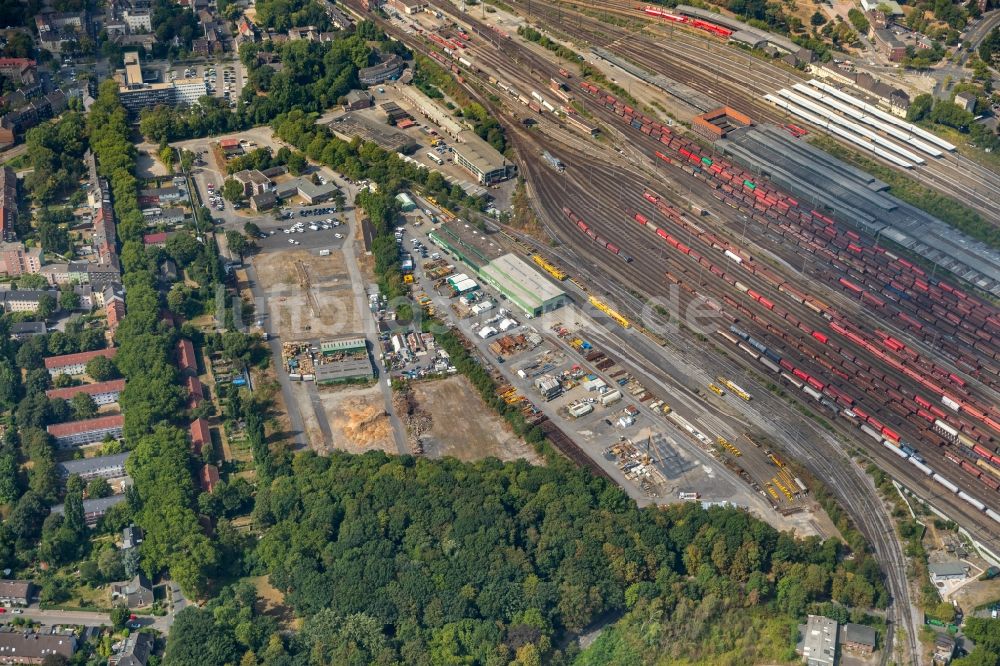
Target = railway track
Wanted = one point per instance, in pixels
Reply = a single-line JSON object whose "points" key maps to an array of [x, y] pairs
{"points": [[743, 88], [826, 460]]}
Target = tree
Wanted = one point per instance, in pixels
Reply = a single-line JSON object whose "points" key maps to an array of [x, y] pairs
{"points": [[251, 229], [119, 617], [183, 247], [233, 191], [297, 163], [817, 19], [46, 306], [187, 160], [69, 299], [98, 488], [237, 242], [167, 155], [102, 369], [83, 406]]}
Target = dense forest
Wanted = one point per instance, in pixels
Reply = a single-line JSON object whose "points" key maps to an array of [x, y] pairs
{"points": [[396, 560]]}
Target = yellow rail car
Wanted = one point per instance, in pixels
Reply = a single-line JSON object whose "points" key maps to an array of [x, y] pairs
{"points": [[611, 312], [548, 267]]}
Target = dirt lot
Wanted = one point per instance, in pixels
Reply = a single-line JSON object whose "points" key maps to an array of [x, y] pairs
{"points": [[309, 296], [463, 427], [357, 419], [272, 602]]}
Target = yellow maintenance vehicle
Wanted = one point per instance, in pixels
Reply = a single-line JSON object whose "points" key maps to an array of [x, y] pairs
{"points": [[611, 312], [548, 267]]}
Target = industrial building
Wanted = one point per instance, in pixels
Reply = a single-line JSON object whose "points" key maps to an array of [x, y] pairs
{"points": [[406, 203], [523, 285], [352, 125], [859, 199], [820, 641], [481, 159], [859, 639], [716, 124], [948, 571], [307, 190], [348, 369], [348, 345]]}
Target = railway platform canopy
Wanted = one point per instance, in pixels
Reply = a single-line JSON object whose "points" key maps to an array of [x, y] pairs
{"points": [[522, 285]]}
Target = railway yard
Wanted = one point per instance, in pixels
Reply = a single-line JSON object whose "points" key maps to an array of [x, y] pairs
{"points": [[782, 302]]}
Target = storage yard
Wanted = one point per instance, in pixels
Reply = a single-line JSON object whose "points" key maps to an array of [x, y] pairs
{"points": [[784, 305], [309, 296], [463, 426]]}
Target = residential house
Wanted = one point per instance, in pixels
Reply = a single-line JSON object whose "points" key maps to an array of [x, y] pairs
{"points": [[15, 259], [209, 478], [966, 102], [133, 651], [99, 467], [187, 362], [115, 313], [196, 391], [87, 431], [103, 393], [888, 44], [155, 240], [200, 435], [23, 300], [135, 593], [22, 71], [27, 329], [93, 509], [8, 203], [28, 647], [75, 364], [15, 592], [131, 537]]}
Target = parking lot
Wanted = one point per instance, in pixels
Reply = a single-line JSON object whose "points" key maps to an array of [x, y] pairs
{"points": [[225, 80]]}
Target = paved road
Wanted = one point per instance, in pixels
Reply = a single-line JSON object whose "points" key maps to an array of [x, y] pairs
{"points": [[291, 405], [371, 331], [89, 618]]}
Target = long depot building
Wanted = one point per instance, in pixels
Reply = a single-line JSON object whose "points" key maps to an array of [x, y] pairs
{"points": [[522, 285]]}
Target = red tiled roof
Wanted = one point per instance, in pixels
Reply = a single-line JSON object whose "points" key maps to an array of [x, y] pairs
{"points": [[229, 143], [199, 435], [155, 239], [194, 387], [54, 362], [209, 477], [87, 425], [90, 389], [115, 313], [185, 355]]}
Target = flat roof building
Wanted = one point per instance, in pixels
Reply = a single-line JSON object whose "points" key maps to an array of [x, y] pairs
{"points": [[309, 191], [347, 369], [859, 639], [353, 125], [136, 94], [481, 159], [942, 571], [820, 647], [523, 285], [346, 345]]}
